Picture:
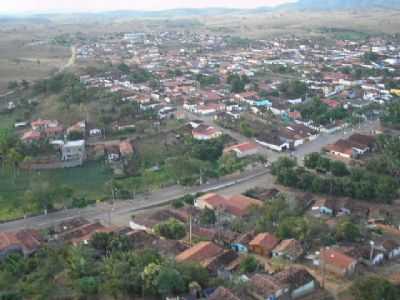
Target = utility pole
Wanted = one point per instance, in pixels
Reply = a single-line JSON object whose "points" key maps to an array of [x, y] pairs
{"points": [[190, 230], [323, 266]]}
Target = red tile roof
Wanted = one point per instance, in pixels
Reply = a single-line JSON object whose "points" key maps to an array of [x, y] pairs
{"points": [[200, 253], [28, 240], [265, 240], [337, 258]]}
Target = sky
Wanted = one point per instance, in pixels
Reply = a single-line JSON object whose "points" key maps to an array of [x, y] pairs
{"points": [[14, 6]]}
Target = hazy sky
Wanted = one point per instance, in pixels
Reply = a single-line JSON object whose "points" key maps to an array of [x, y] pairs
{"points": [[9, 6]]}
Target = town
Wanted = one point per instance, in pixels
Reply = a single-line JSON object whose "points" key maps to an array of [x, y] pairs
{"points": [[178, 164]]}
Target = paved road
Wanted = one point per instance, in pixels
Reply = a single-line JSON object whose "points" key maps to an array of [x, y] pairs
{"points": [[122, 210]]}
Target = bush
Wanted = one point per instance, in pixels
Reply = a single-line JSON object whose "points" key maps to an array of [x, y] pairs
{"points": [[171, 229], [249, 264]]}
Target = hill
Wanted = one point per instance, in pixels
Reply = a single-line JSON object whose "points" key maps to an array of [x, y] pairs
{"points": [[341, 5]]}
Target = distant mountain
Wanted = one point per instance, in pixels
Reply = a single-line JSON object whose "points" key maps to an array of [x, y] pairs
{"points": [[341, 4]]}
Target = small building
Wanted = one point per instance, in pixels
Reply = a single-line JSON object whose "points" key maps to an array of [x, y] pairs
{"points": [[263, 244], [335, 261], [266, 287], [205, 133], [200, 253], [290, 249], [391, 248], [126, 149], [243, 150], [73, 150], [222, 293], [273, 142], [300, 282], [26, 242], [235, 206]]}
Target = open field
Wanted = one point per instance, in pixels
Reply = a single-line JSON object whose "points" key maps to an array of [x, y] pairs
{"points": [[306, 23], [27, 54], [88, 180]]}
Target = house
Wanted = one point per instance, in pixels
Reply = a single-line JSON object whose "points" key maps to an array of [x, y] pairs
{"points": [[356, 145], [73, 150], [391, 248], [31, 136], [79, 127], [265, 287], [243, 150], [299, 281], [26, 242], [40, 125], [200, 253], [273, 142], [341, 148], [205, 132], [325, 206], [235, 206], [222, 293], [126, 148], [335, 261], [290, 249], [263, 244], [240, 244]]}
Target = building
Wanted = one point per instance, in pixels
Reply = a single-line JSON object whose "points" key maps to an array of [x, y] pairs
{"points": [[299, 281], [235, 206], [266, 287], [26, 242], [200, 253], [222, 293], [126, 149], [73, 150], [353, 147], [273, 142], [243, 150], [263, 244], [205, 133], [335, 261], [290, 249]]}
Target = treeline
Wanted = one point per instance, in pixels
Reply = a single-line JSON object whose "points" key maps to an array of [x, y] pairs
{"points": [[108, 266], [358, 183]]}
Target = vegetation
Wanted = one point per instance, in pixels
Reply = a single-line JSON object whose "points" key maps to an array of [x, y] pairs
{"points": [[293, 89], [238, 82], [374, 288], [109, 266], [171, 229], [359, 183], [320, 113], [206, 80], [249, 264], [391, 116]]}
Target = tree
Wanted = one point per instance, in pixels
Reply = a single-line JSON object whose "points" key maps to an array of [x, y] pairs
{"points": [[249, 264], [347, 231], [374, 288], [124, 68], [311, 161], [169, 282], [246, 130], [171, 229], [208, 217], [338, 168], [292, 227]]}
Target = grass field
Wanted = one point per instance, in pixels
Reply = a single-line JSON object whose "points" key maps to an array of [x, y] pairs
{"points": [[88, 180]]}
